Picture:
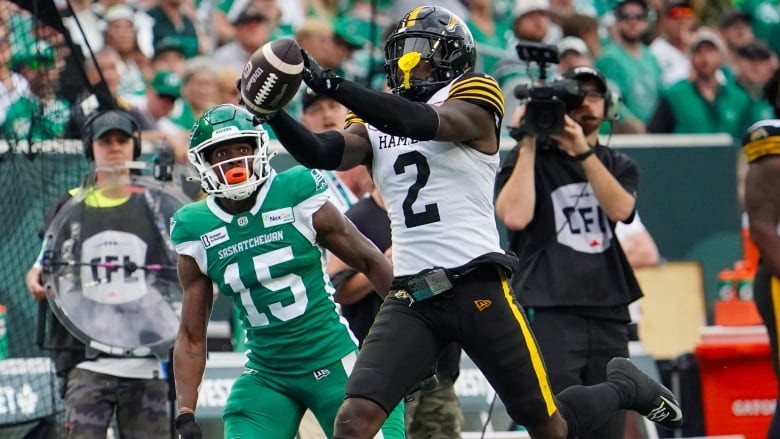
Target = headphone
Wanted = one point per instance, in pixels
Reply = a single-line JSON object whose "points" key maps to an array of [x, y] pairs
{"points": [[86, 131], [611, 98]]}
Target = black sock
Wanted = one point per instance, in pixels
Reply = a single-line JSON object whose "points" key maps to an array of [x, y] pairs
{"points": [[587, 407]]}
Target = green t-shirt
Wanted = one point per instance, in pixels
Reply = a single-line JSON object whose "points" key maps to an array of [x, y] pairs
{"points": [[731, 112], [639, 79], [490, 48], [765, 16], [33, 120], [268, 261]]}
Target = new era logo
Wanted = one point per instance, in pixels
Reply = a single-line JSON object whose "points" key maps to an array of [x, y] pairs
{"points": [[320, 374], [483, 304]]}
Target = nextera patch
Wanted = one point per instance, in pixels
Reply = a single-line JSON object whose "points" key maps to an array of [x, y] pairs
{"points": [[215, 237], [278, 216]]}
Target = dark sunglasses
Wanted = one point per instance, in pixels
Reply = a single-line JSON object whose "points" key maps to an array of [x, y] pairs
{"points": [[627, 17]]}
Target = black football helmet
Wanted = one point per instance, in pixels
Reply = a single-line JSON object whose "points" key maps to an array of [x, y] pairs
{"points": [[432, 34]]}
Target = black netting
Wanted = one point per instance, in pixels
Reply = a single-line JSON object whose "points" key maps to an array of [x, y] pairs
{"points": [[41, 156]]}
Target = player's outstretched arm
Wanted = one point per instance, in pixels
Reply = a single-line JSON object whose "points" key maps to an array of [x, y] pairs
{"points": [[337, 234], [329, 150], [189, 351], [391, 114]]}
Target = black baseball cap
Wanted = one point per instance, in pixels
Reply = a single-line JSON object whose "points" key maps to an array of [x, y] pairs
{"points": [[248, 15], [310, 97], [755, 50], [112, 120], [619, 5], [729, 17]]}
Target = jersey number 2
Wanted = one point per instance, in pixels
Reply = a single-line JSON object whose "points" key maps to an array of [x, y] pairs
{"points": [[262, 264], [431, 212]]}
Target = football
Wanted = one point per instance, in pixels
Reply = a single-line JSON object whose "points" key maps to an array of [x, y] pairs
{"points": [[272, 76]]}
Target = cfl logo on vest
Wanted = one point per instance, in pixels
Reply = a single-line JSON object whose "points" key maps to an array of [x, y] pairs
{"points": [[579, 219]]}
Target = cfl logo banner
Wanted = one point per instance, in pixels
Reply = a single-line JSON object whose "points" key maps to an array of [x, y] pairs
{"points": [[579, 219]]}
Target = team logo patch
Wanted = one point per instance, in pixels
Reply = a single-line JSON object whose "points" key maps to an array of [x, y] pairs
{"points": [[482, 304], [320, 374], [215, 237], [319, 179], [278, 217], [243, 221]]}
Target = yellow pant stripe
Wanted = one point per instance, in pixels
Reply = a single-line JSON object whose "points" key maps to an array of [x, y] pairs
{"points": [[774, 288], [536, 358]]}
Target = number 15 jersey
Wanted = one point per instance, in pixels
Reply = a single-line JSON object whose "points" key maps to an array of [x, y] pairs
{"points": [[268, 260]]}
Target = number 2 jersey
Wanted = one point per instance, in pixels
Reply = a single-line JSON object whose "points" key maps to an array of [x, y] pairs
{"points": [[268, 260], [439, 195]]}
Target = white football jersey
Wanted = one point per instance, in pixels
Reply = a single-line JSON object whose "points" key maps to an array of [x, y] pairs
{"points": [[439, 195]]}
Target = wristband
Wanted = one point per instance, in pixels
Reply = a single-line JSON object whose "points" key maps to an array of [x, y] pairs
{"points": [[581, 157]]}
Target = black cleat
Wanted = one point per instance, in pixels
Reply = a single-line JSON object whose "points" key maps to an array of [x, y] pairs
{"points": [[644, 395]]}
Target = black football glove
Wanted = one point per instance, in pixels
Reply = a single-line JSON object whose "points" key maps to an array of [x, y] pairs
{"points": [[322, 81], [187, 427]]}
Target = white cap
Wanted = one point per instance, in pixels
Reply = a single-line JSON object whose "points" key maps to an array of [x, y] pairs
{"points": [[523, 7], [119, 12], [709, 36], [573, 44]]}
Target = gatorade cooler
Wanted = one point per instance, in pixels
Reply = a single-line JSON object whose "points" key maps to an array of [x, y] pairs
{"points": [[738, 385]]}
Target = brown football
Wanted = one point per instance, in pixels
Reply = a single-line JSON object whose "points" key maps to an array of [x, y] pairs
{"points": [[272, 76]]}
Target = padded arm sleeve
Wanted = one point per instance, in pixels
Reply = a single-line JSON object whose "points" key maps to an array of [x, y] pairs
{"points": [[391, 114], [315, 151]]}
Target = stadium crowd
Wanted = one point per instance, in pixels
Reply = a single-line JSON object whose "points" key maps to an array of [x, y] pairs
{"points": [[678, 66]]}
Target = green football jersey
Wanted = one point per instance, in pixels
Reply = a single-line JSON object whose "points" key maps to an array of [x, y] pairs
{"points": [[268, 260]]}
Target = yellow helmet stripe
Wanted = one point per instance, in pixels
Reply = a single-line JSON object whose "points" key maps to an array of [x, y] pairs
{"points": [[412, 17]]}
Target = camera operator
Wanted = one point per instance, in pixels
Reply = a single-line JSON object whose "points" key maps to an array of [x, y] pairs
{"points": [[560, 199]]}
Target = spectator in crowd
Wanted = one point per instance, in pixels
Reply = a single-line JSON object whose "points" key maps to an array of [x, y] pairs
{"points": [[96, 389], [135, 68], [350, 35], [735, 30], [445, 133], [490, 34], [764, 20], [772, 93], [586, 28], [670, 47], [226, 86], [629, 63], [530, 22], [300, 353], [198, 92], [103, 75], [85, 18], [40, 114], [704, 103], [320, 114], [316, 38], [755, 64], [169, 55], [12, 84], [762, 200], [561, 204], [251, 32], [161, 94], [572, 52], [172, 20]]}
